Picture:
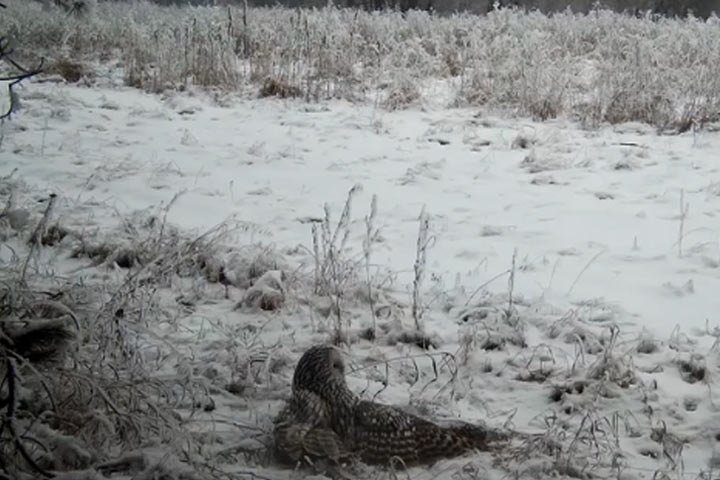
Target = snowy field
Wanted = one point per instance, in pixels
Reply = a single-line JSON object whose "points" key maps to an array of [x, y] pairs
{"points": [[568, 278]]}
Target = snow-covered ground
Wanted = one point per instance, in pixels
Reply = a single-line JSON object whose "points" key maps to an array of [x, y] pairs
{"points": [[594, 217]]}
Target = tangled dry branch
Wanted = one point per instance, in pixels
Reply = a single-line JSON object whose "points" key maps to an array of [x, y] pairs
{"points": [[15, 78]]}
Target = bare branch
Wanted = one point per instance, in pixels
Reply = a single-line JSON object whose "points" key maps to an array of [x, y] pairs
{"points": [[5, 52], [9, 419]]}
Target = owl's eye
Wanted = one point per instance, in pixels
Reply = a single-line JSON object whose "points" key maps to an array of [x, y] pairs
{"points": [[337, 366]]}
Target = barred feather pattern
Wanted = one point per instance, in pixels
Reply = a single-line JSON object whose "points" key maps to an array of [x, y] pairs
{"points": [[302, 429], [324, 419]]}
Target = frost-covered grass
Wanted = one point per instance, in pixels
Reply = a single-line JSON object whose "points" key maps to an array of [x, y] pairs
{"points": [[117, 386], [598, 67]]}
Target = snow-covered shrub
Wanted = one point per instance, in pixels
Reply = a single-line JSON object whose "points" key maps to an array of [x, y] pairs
{"points": [[598, 67]]}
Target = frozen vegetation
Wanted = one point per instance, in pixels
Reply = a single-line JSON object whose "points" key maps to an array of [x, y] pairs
{"points": [[506, 219]]}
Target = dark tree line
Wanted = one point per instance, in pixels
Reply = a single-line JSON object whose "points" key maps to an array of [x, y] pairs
{"points": [[670, 8]]}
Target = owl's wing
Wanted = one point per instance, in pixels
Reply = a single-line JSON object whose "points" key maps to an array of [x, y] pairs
{"points": [[384, 433], [379, 417]]}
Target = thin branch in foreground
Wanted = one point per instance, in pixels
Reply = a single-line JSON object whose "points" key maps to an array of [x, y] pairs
{"points": [[5, 52]]}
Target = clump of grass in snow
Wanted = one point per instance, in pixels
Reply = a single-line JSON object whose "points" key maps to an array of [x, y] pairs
{"points": [[599, 67], [338, 270], [340, 275], [402, 93], [333, 269], [273, 87]]}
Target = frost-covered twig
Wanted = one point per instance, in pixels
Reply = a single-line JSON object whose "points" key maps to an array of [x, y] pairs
{"points": [[13, 80], [370, 237], [684, 208], [584, 269], [511, 285], [482, 286], [423, 240]]}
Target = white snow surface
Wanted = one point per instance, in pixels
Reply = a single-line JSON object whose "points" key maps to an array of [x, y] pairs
{"points": [[594, 216]]}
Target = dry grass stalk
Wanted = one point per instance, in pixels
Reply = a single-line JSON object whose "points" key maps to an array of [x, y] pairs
{"points": [[333, 271], [423, 243], [371, 236]]}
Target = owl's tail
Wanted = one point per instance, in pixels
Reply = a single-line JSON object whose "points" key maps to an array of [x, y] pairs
{"points": [[479, 437]]}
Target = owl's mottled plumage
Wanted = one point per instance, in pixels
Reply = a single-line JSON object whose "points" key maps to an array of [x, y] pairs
{"points": [[333, 421], [304, 427]]}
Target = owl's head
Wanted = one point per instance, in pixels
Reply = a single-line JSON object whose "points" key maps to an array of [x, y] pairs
{"points": [[320, 369]]}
